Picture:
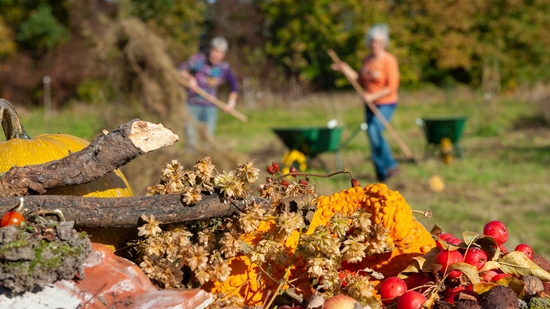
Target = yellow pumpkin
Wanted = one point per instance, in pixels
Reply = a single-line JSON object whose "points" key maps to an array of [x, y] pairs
{"points": [[19, 150]]}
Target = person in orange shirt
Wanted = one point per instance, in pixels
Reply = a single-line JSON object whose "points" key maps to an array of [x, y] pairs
{"points": [[379, 76]]}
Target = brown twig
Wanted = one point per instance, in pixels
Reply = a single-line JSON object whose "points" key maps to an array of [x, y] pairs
{"points": [[126, 211], [105, 154]]}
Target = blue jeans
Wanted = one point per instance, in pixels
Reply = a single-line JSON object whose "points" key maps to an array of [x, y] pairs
{"points": [[381, 153], [207, 114]]}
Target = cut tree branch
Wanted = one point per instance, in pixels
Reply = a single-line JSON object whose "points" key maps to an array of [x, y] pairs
{"points": [[93, 212], [104, 154]]}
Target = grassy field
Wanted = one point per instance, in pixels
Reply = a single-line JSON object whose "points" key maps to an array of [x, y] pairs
{"points": [[503, 175]]}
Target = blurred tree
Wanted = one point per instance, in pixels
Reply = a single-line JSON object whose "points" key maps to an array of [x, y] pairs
{"points": [[449, 41], [41, 31], [180, 22], [301, 32], [7, 42]]}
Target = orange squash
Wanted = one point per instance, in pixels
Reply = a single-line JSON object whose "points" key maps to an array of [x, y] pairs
{"points": [[407, 237], [387, 207], [247, 279]]}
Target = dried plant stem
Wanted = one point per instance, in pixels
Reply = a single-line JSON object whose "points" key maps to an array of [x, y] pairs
{"points": [[287, 273], [295, 174]]}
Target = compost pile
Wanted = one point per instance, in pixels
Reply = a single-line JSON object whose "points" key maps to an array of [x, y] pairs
{"points": [[35, 254], [340, 256]]}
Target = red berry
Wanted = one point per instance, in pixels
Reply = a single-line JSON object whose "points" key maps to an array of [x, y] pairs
{"points": [[285, 183], [275, 166], [526, 249], [475, 256], [303, 182], [270, 169], [11, 218], [446, 258], [391, 288], [497, 230], [293, 171], [355, 183], [411, 300]]}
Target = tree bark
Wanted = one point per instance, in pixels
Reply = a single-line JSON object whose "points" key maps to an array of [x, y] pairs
{"points": [[104, 154], [93, 212]]}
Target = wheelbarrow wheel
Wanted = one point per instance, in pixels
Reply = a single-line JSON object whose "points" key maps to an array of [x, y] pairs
{"points": [[294, 158]]}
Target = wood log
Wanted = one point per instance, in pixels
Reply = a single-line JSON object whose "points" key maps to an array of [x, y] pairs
{"points": [[93, 212], [104, 154]]}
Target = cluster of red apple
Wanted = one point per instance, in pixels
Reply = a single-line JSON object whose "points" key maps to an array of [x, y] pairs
{"points": [[409, 294]]}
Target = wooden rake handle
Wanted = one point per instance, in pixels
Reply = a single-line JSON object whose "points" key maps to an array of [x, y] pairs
{"points": [[375, 110], [212, 99]]}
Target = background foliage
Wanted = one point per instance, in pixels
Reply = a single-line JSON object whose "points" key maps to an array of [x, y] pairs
{"points": [[498, 44]]}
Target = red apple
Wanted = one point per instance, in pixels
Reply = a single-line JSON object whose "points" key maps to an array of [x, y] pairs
{"points": [[391, 288], [416, 280], [340, 302], [497, 277], [411, 300], [444, 236], [488, 275], [475, 256], [454, 241], [456, 289], [449, 239], [526, 249], [446, 258], [497, 230]]}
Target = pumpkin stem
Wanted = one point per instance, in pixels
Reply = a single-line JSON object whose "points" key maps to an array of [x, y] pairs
{"points": [[10, 121]]}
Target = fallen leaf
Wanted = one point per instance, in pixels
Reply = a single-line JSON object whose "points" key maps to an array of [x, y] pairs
{"points": [[470, 271], [518, 264]]}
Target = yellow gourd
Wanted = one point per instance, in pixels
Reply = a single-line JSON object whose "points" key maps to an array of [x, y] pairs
{"points": [[19, 150]]}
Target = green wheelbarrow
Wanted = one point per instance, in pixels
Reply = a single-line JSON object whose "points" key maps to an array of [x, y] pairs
{"points": [[441, 129], [308, 142]]}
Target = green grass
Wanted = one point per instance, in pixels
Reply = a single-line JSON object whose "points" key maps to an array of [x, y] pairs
{"points": [[503, 176]]}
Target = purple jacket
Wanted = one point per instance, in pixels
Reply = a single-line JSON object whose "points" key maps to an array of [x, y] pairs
{"points": [[209, 77]]}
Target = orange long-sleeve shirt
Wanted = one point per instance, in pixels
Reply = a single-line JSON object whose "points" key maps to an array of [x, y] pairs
{"points": [[379, 73]]}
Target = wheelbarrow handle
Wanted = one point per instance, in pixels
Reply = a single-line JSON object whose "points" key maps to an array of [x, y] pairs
{"points": [[375, 110]]}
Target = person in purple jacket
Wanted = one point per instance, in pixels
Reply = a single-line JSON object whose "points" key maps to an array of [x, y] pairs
{"points": [[207, 71]]}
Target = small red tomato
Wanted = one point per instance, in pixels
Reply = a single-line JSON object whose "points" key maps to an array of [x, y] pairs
{"points": [[11, 218]]}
